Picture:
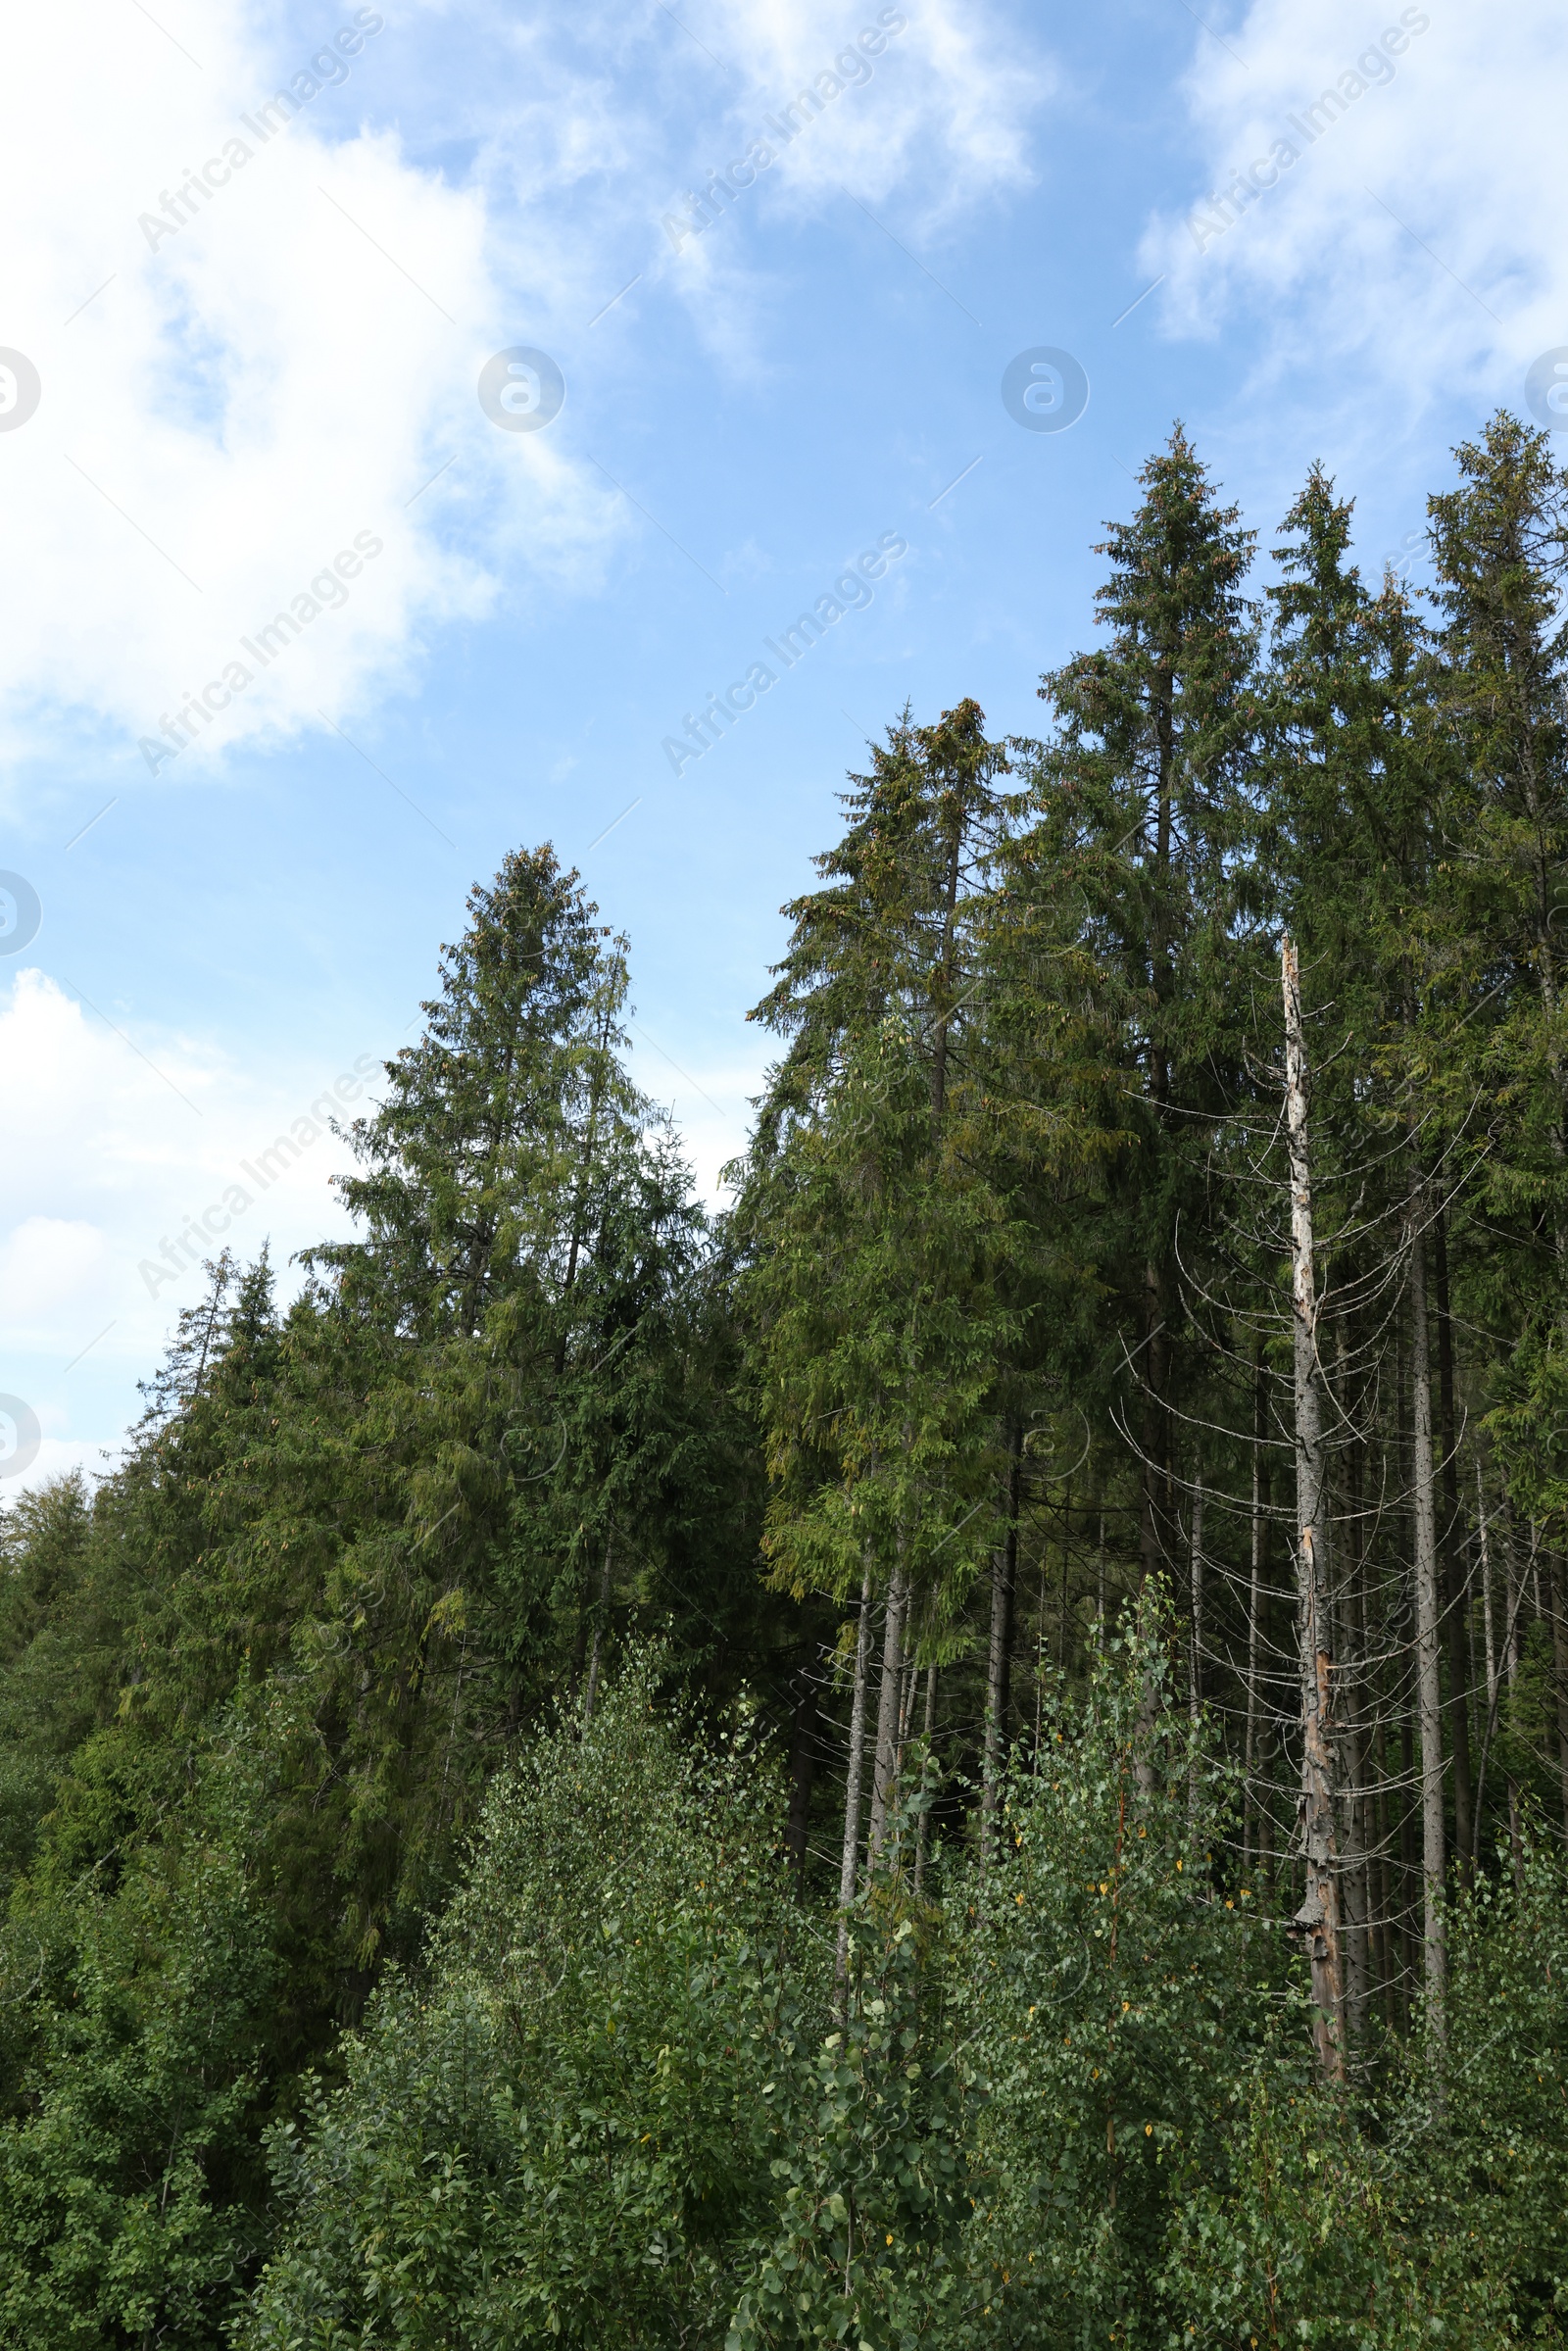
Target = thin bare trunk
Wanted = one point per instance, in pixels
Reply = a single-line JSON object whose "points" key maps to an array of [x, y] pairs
{"points": [[885, 1770], [849, 1865], [803, 1773], [1195, 1665], [1194, 1680], [1255, 1604], [1429, 1622], [1150, 1510], [1556, 1604], [928, 1731], [1516, 1599], [1352, 1777], [602, 1612], [998, 1670], [1450, 1551], [1319, 1919], [1485, 1595]]}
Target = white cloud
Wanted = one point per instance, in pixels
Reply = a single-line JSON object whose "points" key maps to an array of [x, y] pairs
{"points": [[235, 406], [1413, 245], [946, 100], [152, 1151], [49, 1265], [1409, 261], [222, 415]]}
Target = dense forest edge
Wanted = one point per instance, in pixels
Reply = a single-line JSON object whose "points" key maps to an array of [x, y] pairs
{"points": [[971, 1751]]}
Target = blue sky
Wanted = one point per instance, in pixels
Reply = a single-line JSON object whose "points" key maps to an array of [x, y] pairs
{"points": [[231, 399]]}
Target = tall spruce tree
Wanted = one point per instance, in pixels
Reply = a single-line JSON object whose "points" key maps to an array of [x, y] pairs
{"points": [[1143, 796]]}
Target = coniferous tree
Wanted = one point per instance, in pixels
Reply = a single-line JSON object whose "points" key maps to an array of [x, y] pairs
{"points": [[1143, 794]]}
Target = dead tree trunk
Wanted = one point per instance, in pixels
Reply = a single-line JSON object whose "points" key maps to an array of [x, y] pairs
{"points": [[849, 1865], [1254, 1603], [928, 1733], [1351, 1638], [1455, 1574], [1556, 1593], [1195, 1667], [1195, 1678], [885, 1765], [1516, 1594], [998, 1670], [1429, 1621], [601, 1618], [803, 1773], [1489, 1629], [1319, 1919]]}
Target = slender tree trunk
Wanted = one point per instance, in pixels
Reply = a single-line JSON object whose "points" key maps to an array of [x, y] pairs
{"points": [[1254, 1603], [1381, 1879], [928, 1733], [1455, 1581], [1428, 1675], [1352, 1782], [1195, 1665], [1150, 1510], [1556, 1597], [1410, 1864], [579, 1644], [1319, 1919], [1195, 1677], [1483, 1535], [885, 1766], [803, 1773], [1511, 1660], [912, 1675], [998, 1670], [590, 1700], [850, 1864]]}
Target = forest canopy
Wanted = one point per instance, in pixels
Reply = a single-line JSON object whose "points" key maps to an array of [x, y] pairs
{"points": [[970, 1750]]}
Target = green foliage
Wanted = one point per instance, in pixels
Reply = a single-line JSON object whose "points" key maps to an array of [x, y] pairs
{"points": [[389, 1786], [560, 2139], [128, 2176]]}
